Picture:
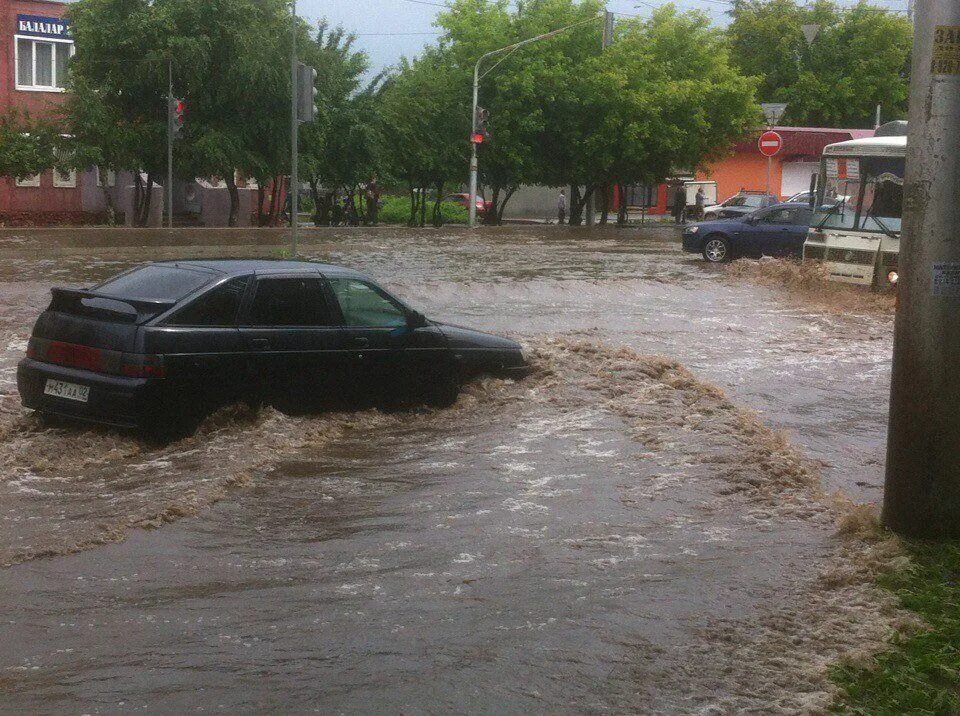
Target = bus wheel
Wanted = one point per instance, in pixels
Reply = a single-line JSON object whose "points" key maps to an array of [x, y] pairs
{"points": [[716, 249]]}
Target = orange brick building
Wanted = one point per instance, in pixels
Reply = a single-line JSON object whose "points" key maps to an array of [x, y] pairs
{"points": [[746, 168]]}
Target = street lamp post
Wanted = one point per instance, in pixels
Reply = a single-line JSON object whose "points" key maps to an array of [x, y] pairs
{"points": [[509, 49]]}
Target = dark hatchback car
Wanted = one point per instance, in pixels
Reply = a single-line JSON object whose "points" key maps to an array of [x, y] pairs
{"points": [[158, 347], [777, 231]]}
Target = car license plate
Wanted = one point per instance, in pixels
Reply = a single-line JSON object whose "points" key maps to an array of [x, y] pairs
{"points": [[70, 391]]}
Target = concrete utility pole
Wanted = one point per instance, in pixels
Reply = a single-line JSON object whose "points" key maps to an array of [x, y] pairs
{"points": [[294, 187], [922, 493]]}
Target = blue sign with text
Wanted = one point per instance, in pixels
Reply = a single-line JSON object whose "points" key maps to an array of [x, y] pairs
{"points": [[56, 28]]}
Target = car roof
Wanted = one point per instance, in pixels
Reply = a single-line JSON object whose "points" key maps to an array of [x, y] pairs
{"points": [[788, 205], [233, 267]]}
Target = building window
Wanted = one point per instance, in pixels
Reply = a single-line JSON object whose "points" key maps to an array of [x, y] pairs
{"points": [[32, 181], [64, 180], [42, 64]]}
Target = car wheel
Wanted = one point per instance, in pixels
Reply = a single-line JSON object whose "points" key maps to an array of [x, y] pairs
{"points": [[716, 249]]}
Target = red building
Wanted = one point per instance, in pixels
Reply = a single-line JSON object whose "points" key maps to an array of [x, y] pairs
{"points": [[746, 168], [35, 47]]}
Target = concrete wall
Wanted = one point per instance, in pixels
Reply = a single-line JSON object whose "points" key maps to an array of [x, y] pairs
{"points": [[215, 206]]}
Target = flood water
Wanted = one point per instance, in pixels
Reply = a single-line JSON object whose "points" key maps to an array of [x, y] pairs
{"points": [[567, 543]]}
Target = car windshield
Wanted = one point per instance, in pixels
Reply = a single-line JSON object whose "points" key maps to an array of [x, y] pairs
{"points": [[163, 282], [870, 193], [751, 200]]}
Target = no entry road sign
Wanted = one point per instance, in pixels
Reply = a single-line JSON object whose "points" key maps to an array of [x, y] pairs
{"points": [[770, 143]]}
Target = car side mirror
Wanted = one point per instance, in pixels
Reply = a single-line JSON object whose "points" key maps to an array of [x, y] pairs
{"points": [[415, 319]]}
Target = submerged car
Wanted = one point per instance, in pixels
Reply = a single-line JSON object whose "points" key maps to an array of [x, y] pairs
{"points": [[158, 347], [777, 231]]}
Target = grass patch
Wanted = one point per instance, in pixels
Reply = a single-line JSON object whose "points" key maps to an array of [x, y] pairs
{"points": [[921, 673], [396, 210]]}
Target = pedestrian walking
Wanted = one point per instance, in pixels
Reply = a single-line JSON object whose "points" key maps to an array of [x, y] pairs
{"points": [[680, 203], [562, 207], [701, 201]]}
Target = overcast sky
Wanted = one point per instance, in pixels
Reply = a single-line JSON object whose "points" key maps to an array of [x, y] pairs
{"points": [[372, 20]]}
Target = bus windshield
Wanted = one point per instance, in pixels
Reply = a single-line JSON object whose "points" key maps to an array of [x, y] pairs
{"points": [[860, 194]]}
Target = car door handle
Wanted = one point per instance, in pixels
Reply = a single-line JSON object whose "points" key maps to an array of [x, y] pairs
{"points": [[361, 342], [260, 343]]}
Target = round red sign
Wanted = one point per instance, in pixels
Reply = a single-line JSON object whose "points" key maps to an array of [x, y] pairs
{"points": [[770, 143]]}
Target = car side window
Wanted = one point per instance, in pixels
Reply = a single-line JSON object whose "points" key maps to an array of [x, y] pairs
{"points": [[363, 304], [217, 307], [803, 217], [291, 301], [778, 216]]}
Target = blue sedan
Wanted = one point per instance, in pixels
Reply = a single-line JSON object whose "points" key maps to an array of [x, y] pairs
{"points": [[778, 230]]}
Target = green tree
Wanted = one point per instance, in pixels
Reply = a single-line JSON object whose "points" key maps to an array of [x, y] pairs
{"points": [[27, 146], [117, 103], [859, 59], [664, 97], [229, 60], [341, 148], [425, 112]]}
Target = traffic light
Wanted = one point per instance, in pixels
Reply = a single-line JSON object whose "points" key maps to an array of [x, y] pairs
{"points": [[178, 115], [480, 132], [306, 93]]}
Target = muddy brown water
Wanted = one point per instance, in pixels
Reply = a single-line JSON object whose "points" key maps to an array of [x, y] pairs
{"points": [[567, 543]]}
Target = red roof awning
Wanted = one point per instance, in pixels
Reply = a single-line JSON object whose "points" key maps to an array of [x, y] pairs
{"points": [[804, 142]]}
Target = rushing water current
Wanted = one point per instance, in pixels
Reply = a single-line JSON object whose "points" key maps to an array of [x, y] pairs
{"points": [[567, 543]]}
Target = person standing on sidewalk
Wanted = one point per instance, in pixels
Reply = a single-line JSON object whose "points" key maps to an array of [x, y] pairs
{"points": [[561, 207], [701, 203], [679, 203]]}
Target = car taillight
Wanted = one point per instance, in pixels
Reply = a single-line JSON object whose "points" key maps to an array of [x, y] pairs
{"points": [[141, 365], [98, 360], [72, 355]]}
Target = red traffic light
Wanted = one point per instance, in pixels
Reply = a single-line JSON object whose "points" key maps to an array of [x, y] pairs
{"points": [[476, 138]]}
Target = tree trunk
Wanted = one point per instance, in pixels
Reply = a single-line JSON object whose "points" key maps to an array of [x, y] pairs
{"points": [[234, 194], [503, 204], [142, 198], [108, 200], [490, 218], [577, 203], [423, 205], [622, 207], [437, 212], [605, 204], [413, 206], [260, 197]]}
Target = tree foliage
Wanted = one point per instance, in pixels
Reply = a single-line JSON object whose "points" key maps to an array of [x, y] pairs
{"points": [[859, 59], [342, 147], [27, 146], [566, 112]]}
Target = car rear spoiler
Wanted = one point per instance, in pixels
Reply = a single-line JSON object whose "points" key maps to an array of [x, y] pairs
{"points": [[70, 300]]}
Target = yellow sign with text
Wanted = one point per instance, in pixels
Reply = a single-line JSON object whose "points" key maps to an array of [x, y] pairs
{"points": [[946, 50]]}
